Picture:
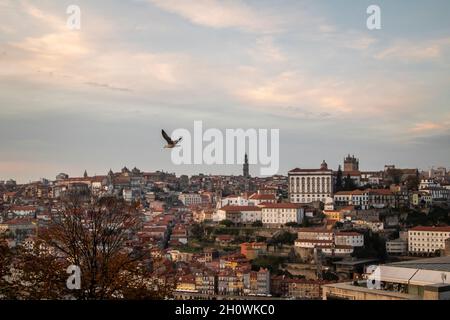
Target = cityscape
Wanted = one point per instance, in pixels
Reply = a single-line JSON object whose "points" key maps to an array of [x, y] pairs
{"points": [[310, 234], [223, 158]]}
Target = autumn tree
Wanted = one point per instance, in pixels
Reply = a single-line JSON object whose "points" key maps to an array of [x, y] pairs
{"points": [[38, 274], [94, 236], [5, 270]]}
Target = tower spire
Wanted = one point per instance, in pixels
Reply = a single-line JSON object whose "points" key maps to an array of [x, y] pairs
{"points": [[246, 172]]}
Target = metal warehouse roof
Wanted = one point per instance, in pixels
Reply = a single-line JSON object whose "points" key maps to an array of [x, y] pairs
{"points": [[437, 264]]}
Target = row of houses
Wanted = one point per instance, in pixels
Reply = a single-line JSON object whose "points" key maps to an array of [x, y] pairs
{"points": [[385, 198], [250, 283], [207, 284], [330, 242], [365, 199], [229, 275]]}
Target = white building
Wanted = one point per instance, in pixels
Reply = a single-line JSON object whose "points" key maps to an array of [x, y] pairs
{"points": [[353, 239], [353, 198], [329, 241], [309, 185], [234, 201], [189, 199], [251, 214], [282, 213], [428, 183], [427, 240], [437, 193], [238, 214]]}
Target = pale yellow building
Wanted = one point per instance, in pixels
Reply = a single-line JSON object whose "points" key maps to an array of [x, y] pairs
{"points": [[427, 240]]}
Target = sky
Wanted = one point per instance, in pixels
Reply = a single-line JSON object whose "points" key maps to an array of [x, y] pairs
{"points": [[97, 98]]}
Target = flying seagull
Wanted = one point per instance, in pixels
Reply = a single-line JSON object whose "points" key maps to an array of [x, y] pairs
{"points": [[170, 143]]}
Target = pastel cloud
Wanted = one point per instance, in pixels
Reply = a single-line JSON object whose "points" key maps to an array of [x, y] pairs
{"points": [[77, 60], [266, 50], [407, 51], [431, 127], [291, 92], [426, 126], [219, 14], [65, 58]]}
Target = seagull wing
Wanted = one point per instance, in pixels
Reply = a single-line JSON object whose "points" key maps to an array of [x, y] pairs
{"points": [[166, 137], [179, 139]]}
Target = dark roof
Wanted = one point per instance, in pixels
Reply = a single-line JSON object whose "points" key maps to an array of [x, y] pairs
{"points": [[431, 229], [298, 170], [436, 264], [240, 208]]}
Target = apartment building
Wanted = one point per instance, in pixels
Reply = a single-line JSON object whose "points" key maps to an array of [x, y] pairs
{"points": [[257, 282], [427, 240], [206, 283], [239, 214], [189, 199], [230, 282], [234, 201], [352, 198], [277, 214]]}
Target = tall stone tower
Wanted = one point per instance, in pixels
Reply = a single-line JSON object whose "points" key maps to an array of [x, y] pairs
{"points": [[351, 163], [245, 167]]}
